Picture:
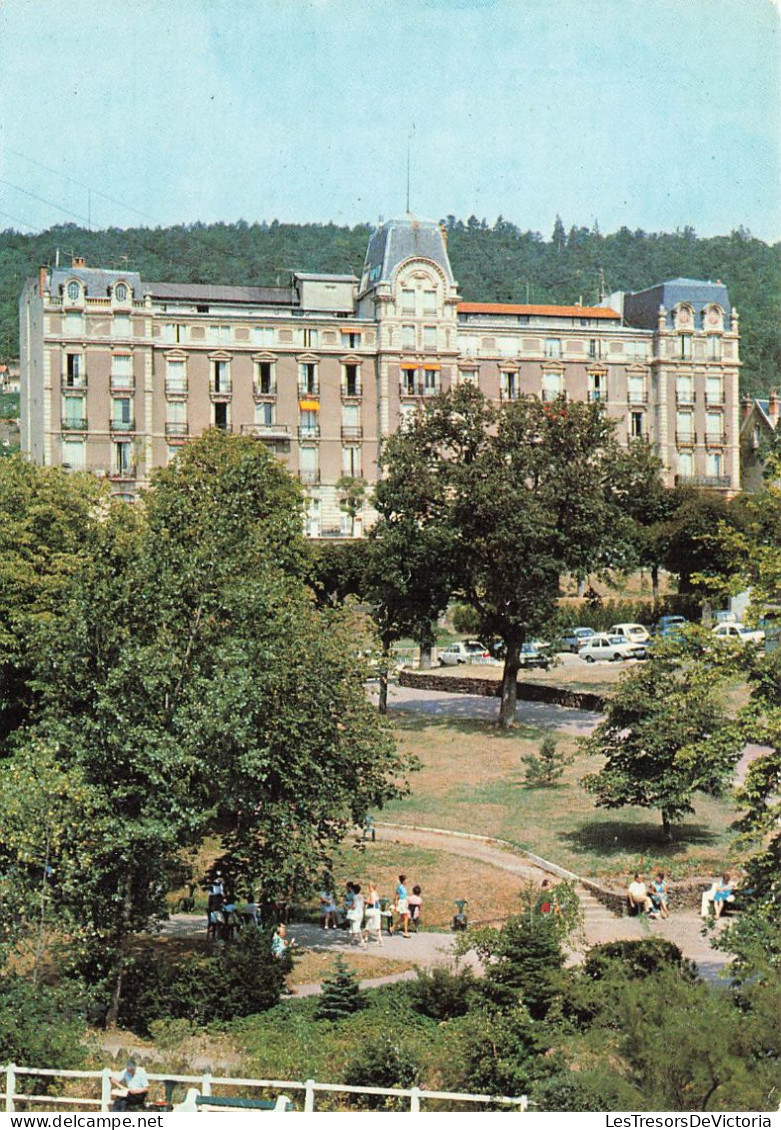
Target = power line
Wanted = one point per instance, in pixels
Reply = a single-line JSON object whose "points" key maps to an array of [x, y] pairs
{"points": [[16, 220], [43, 200], [81, 184]]}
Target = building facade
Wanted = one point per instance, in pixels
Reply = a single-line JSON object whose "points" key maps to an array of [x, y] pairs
{"points": [[117, 373]]}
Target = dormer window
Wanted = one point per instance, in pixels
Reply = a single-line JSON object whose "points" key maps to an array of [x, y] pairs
{"points": [[74, 292], [120, 292]]}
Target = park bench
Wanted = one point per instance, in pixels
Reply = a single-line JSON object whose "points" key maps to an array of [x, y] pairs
{"points": [[196, 1102]]}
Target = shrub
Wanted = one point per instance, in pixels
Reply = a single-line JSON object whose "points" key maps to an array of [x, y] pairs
{"points": [[442, 994], [341, 995], [385, 1062], [242, 979], [466, 620], [527, 956], [636, 959], [40, 1026], [544, 768]]}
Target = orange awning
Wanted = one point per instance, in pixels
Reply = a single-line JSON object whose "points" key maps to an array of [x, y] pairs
{"points": [[309, 405]]}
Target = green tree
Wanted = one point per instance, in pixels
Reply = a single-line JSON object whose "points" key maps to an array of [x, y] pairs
{"points": [[341, 994], [664, 737], [544, 768], [512, 499]]}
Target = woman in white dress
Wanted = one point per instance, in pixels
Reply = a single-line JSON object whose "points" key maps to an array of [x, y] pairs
{"points": [[373, 923], [355, 916]]}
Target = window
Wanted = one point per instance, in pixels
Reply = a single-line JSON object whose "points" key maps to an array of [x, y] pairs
{"points": [[685, 464], [714, 426], [429, 337], [684, 390], [309, 426], [123, 459], [351, 340], [74, 291], [264, 335], [121, 413], [73, 413], [509, 346], [597, 386], [221, 416], [176, 418], [684, 427], [552, 385], [714, 465], [714, 347], [593, 348], [121, 370], [120, 325], [265, 378], [221, 381], [408, 382], [174, 333], [469, 344], [509, 386], [351, 461], [430, 382], [714, 390], [351, 385], [407, 337], [75, 375], [429, 302], [74, 324], [265, 413], [686, 347], [636, 389], [73, 452], [406, 416], [408, 301], [351, 422], [552, 347], [308, 337], [175, 377], [636, 424], [120, 292], [468, 377], [308, 378], [222, 334], [307, 461]]}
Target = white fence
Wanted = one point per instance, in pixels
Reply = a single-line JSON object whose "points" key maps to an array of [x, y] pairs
{"points": [[414, 1096]]}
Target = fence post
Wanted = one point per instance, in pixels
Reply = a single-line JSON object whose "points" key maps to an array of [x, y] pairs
{"points": [[309, 1099], [524, 1102], [10, 1088], [105, 1089], [414, 1101], [206, 1085]]}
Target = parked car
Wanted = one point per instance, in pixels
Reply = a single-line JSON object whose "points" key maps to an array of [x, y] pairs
{"points": [[574, 638], [636, 633], [605, 646], [739, 633], [464, 651], [670, 626], [534, 654]]}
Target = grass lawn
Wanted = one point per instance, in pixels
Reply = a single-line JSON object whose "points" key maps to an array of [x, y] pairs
{"points": [[472, 780]]}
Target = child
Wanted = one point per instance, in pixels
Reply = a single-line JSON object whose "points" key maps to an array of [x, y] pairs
{"points": [[415, 902]]}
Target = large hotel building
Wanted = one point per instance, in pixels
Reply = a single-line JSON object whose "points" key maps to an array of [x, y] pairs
{"points": [[117, 373]]}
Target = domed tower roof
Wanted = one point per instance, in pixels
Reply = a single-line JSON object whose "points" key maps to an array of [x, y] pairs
{"points": [[398, 240]]}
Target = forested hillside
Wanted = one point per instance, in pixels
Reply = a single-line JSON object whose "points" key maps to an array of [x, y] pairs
{"points": [[498, 263]]}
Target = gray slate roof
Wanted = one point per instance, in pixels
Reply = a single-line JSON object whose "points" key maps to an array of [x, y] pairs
{"points": [[397, 240], [641, 308], [97, 282], [203, 292]]}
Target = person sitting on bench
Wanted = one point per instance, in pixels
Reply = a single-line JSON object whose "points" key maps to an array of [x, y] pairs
{"points": [[132, 1087], [638, 899], [720, 892]]}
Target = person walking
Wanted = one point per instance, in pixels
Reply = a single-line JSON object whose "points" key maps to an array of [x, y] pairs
{"points": [[415, 903], [355, 916], [373, 921]]}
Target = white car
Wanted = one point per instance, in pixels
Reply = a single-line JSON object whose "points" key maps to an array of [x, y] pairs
{"points": [[739, 633], [606, 646], [635, 633], [465, 651]]}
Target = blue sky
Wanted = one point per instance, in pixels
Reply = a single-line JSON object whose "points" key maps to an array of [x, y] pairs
{"points": [[648, 113]]}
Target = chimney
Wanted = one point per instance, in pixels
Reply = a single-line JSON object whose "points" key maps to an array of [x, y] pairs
{"points": [[745, 407], [41, 281], [772, 407], [78, 261]]}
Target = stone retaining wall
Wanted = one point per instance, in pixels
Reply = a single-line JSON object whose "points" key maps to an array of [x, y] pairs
{"points": [[491, 688]]}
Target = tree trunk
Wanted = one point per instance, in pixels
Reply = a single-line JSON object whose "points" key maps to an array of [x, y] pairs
{"points": [[382, 704], [112, 1015], [667, 826], [425, 657], [581, 587], [655, 582], [512, 665]]}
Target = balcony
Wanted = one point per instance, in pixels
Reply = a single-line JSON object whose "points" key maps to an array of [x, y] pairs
{"points": [[309, 389], [352, 391], [309, 431], [597, 396], [636, 397], [266, 431], [684, 399], [122, 425], [265, 390], [686, 439], [74, 384], [714, 399], [122, 474], [715, 439], [75, 424], [221, 389], [176, 390], [121, 384], [309, 476], [179, 430], [711, 481], [352, 432]]}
